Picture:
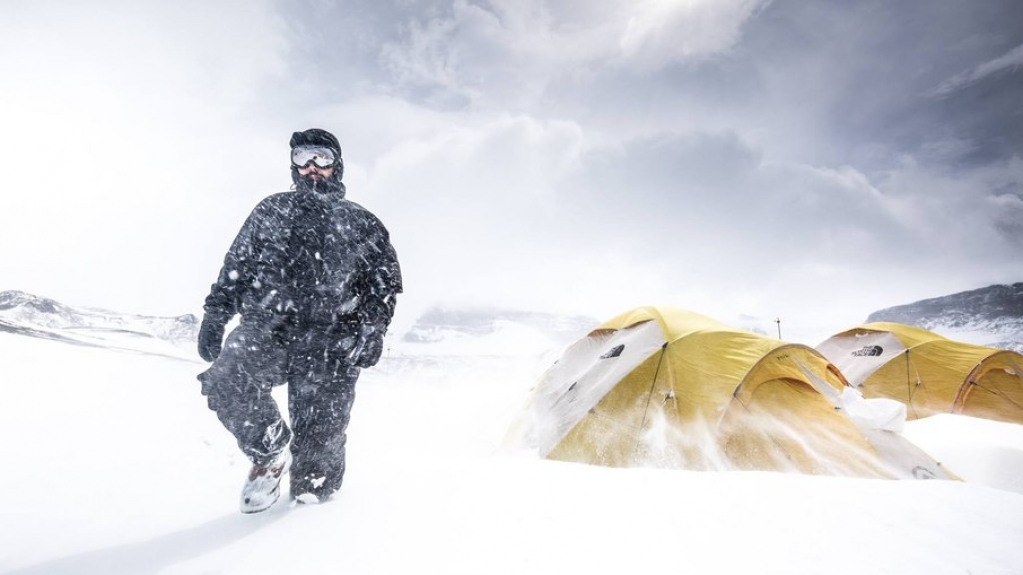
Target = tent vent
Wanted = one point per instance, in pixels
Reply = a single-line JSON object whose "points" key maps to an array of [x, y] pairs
{"points": [[614, 352]]}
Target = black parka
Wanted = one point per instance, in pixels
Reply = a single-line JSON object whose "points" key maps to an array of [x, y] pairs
{"points": [[308, 259]]}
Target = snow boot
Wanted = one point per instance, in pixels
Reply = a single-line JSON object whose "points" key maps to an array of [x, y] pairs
{"points": [[263, 486], [302, 492], [312, 498], [310, 488]]}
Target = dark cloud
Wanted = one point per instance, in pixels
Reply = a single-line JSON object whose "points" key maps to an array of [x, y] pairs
{"points": [[868, 71]]}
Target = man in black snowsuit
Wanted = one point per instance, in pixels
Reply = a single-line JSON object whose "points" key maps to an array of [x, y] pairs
{"points": [[314, 278]]}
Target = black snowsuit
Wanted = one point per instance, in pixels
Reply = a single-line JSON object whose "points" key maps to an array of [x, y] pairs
{"points": [[313, 276]]}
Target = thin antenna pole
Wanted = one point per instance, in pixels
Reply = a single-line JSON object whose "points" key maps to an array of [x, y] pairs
{"points": [[778, 321]]}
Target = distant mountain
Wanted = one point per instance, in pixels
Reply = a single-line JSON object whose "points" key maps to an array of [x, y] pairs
{"points": [[484, 321], [491, 332], [990, 316], [27, 314]]}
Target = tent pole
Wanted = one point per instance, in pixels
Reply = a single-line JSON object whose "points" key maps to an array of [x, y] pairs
{"points": [[653, 385], [909, 384]]}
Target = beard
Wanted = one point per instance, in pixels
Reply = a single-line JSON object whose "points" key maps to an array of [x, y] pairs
{"points": [[317, 185], [311, 183]]}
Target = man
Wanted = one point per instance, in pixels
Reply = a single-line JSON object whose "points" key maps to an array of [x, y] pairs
{"points": [[314, 278]]}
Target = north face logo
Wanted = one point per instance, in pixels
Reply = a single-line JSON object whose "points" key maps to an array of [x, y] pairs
{"points": [[613, 352], [868, 351]]}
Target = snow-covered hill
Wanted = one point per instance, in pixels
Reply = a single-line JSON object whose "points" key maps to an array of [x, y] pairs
{"points": [[27, 314], [990, 316]]}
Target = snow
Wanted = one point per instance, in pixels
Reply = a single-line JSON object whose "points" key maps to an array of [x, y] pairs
{"points": [[114, 465], [1003, 335]]}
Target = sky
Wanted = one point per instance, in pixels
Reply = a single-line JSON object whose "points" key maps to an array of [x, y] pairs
{"points": [[808, 162], [153, 488]]}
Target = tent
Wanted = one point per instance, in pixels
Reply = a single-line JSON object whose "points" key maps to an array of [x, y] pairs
{"points": [[665, 387], [929, 373]]}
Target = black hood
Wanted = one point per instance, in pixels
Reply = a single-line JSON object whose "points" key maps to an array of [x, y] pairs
{"points": [[317, 137]]}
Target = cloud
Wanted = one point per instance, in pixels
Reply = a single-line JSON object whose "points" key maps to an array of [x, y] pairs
{"points": [[522, 211], [477, 51], [1011, 60], [545, 214], [472, 206], [662, 32], [509, 51], [1008, 217]]}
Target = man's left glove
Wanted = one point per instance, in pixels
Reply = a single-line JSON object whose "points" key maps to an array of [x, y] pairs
{"points": [[211, 337], [370, 346]]}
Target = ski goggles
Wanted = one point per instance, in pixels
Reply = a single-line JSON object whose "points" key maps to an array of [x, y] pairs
{"points": [[322, 157]]}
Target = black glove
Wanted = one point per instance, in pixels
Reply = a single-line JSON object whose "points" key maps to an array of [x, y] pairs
{"points": [[211, 337], [369, 347]]}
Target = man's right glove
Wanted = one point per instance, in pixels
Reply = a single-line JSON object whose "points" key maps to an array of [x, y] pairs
{"points": [[369, 347], [211, 337]]}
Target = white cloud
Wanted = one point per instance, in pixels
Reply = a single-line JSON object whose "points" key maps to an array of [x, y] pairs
{"points": [[1007, 214], [661, 32], [544, 214], [471, 207], [540, 213], [1011, 60], [509, 51]]}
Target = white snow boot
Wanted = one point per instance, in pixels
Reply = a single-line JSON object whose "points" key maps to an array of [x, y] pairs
{"points": [[263, 486], [307, 499]]}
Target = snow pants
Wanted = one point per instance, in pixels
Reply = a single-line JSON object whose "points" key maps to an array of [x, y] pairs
{"points": [[321, 390]]}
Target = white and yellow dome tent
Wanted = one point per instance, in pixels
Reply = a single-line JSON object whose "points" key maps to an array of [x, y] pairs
{"points": [[665, 387], [929, 373]]}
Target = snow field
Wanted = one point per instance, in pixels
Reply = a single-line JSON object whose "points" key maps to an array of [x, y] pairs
{"points": [[121, 468]]}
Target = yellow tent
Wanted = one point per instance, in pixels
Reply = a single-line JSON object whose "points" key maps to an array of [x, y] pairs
{"points": [[669, 388], [929, 373]]}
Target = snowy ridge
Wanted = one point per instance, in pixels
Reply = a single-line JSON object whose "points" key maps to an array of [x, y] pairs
{"points": [[990, 316], [439, 323], [438, 334], [490, 332], [35, 316]]}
